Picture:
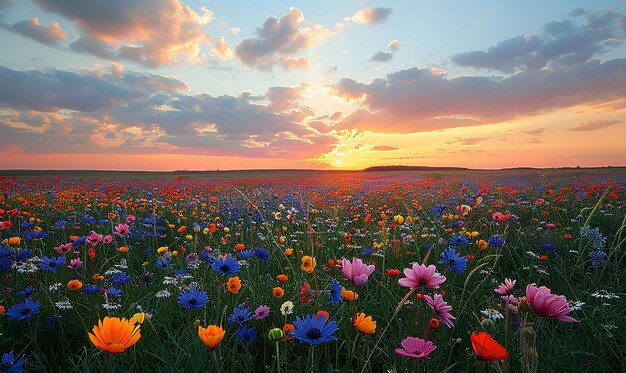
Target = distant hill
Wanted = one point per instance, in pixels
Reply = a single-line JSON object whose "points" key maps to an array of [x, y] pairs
{"points": [[413, 168]]}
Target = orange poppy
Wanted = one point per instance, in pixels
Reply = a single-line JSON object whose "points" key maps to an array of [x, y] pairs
{"points": [[278, 292], [74, 285], [114, 335], [486, 348], [211, 336], [282, 278], [234, 284], [364, 324], [322, 312], [308, 264]]}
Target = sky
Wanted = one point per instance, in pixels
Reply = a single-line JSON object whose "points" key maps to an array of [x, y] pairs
{"points": [[205, 85]]}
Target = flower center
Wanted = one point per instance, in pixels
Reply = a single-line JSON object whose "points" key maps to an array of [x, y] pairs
{"points": [[193, 301], [314, 333], [25, 311], [225, 268]]}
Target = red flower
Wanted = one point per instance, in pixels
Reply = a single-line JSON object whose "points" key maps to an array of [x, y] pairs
{"points": [[305, 293], [392, 272], [486, 348]]}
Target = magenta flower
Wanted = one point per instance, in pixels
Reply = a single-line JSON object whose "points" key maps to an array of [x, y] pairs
{"points": [[94, 239], [545, 304], [130, 218], [75, 263], [121, 230], [415, 348], [64, 249], [506, 288], [442, 309], [356, 272], [419, 275], [107, 239]]}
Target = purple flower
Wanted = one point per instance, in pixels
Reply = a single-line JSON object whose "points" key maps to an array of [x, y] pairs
{"points": [[261, 312]]}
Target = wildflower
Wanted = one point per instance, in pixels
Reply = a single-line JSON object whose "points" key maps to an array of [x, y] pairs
{"points": [[486, 348], [64, 249], [75, 263], [239, 315], [286, 308], [392, 272], [496, 241], [415, 348], [305, 293], [261, 312], [364, 324], [314, 330], [234, 285], [282, 278], [308, 264], [211, 336], [278, 292], [138, 318], [27, 292], [356, 271], [442, 309], [114, 335], [455, 262], [120, 279], [482, 244], [398, 219], [245, 335], [64, 305], [275, 335], [506, 288], [288, 328], [3, 310], [433, 323], [121, 230], [603, 294], [598, 258], [193, 299], [51, 264], [349, 295], [336, 292], [545, 304], [288, 251], [74, 285], [24, 310], [322, 312], [226, 265], [262, 254], [10, 365], [458, 241], [14, 241], [419, 275]]}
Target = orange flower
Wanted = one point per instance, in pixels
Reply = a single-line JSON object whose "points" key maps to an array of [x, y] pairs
{"points": [[288, 328], [392, 272], [482, 244], [322, 312], [278, 292], [567, 236], [212, 228], [543, 258], [288, 251], [240, 247], [182, 229], [434, 323], [74, 285], [211, 336], [349, 295], [234, 284], [114, 335], [14, 241], [308, 264], [122, 249], [2, 310], [282, 278], [486, 348], [365, 324]]}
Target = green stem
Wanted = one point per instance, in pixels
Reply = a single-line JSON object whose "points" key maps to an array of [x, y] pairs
{"points": [[278, 356]]}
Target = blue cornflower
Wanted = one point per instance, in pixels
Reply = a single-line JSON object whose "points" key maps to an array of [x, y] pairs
{"points": [[368, 250], [226, 266], [10, 365], [113, 292], [53, 322], [26, 293], [51, 264], [547, 246], [206, 257], [79, 241], [162, 262], [246, 254], [598, 258], [458, 241], [262, 254], [454, 260], [240, 315], [245, 335], [193, 299], [120, 279], [24, 310], [496, 241], [92, 289], [23, 255], [335, 292], [314, 330]]}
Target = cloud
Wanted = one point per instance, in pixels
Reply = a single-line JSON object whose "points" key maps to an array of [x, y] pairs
{"points": [[595, 125], [222, 49], [150, 32], [278, 40], [384, 148], [381, 57], [372, 16], [394, 45], [49, 35], [562, 43], [467, 141], [534, 131], [416, 100], [102, 110]]}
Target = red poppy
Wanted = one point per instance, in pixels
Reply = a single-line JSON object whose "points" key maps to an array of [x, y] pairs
{"points": [[486, 348], [392, 272], [305, 293]]}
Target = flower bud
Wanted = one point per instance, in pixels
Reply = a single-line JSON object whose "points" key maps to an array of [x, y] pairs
{"points": [[275, 334]]}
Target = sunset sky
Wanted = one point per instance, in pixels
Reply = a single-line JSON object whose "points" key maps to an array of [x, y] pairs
{"points": [[169, 84]]}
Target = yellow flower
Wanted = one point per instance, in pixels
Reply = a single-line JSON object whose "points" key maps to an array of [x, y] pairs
{"points": [[398, 219], [162, 250], [482, 244], [289, 251], [15, 241], [138, 318], [189, 237], [308, 264], [211, 336], [365, 324], [114, 335]]}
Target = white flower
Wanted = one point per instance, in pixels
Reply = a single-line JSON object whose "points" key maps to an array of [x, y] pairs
{"points": [[163, 294], [169, 280], [286, 308], [492, 314], [603, 294], [64, 305], [110, 306], [55, 287]]}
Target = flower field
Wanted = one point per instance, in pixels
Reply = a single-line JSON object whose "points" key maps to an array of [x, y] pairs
{"points": [[348, 272]]}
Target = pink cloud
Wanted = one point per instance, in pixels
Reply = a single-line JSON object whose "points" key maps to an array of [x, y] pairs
{"points": [[372, 16], [33, 29], [595, 125]]}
